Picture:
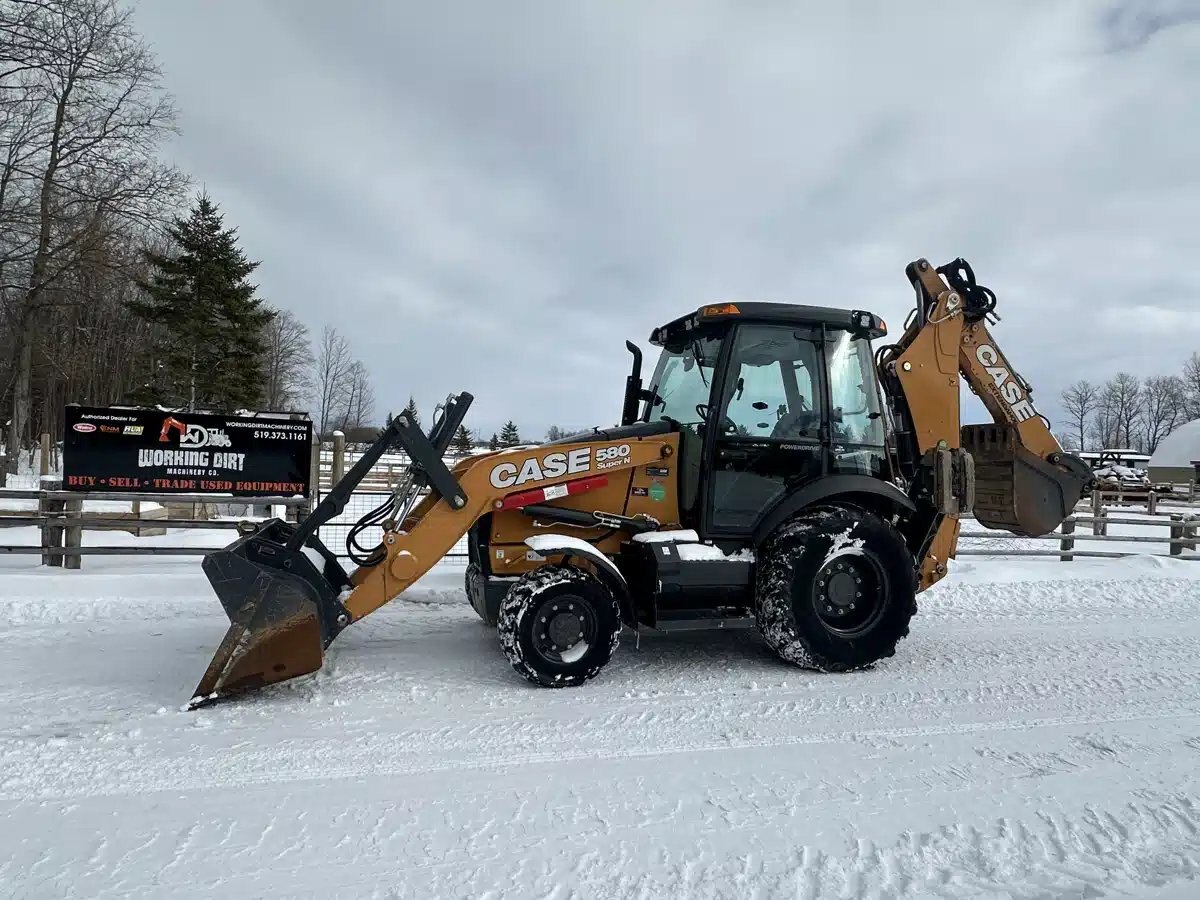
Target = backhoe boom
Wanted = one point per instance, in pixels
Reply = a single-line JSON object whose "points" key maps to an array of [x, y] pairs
{"points": [[1013, 474]]}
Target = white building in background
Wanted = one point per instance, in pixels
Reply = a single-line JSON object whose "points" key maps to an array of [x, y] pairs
{"points": [[1177, 458]]}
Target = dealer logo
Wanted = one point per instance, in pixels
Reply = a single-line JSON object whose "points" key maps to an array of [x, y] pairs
{"points": [[193, 436], [84, 427], [133, 429]]}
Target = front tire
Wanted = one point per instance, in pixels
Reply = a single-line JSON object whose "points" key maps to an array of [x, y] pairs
{"points": [[558, 626], [835, 589]]}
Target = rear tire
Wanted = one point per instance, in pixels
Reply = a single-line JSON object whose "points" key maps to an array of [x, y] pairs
{"points": [[835, 589], [558, 626]]}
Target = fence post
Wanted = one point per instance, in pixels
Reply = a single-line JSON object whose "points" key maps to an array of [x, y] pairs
{"points": [[339, 458], [1189, 533], [1176, 534], [1152, 503], [44, 457], [314, 479], [1068, 543], [50, 507], [73, 536]]}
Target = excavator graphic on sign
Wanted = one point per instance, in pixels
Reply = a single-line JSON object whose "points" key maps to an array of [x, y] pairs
{"points": [[170, 423], [777, 474]]}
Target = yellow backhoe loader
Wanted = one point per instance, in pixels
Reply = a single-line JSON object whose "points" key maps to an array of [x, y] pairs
{"points": [[774, 474]]}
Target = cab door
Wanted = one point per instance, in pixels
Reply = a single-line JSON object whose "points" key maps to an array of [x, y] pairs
{"points": [[767, 431]]}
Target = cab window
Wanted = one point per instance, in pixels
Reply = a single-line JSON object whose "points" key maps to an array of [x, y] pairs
{"points": [[772, 391]]}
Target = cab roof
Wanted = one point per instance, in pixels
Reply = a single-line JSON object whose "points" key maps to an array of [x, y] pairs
{"points": [[859, 322]]}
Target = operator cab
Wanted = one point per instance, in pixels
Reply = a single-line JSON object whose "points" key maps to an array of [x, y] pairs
{"points": [[767, 398]]}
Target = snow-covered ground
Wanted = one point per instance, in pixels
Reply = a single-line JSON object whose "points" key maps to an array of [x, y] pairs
{"points": [[1038, 735]]}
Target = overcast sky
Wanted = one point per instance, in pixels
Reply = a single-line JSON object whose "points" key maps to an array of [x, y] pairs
{"points": [[493, 196]]}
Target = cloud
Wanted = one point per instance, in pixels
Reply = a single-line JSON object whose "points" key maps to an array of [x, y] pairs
{"points": [[492, 197]]}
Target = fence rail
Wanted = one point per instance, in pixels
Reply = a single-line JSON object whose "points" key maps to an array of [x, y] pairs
{"points": [[62, 520], [1183, 534]]}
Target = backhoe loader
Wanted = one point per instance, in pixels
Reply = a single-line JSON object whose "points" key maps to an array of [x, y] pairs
{"points": [[775, 473]]}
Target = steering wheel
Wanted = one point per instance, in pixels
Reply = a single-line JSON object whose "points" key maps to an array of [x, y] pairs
{"points": [[728, 426]]}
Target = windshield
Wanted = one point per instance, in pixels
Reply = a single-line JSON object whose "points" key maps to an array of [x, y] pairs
{"points": [[772, 391], [682, 383], [854, 400]]}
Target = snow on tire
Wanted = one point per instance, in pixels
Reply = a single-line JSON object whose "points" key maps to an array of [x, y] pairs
{"points": [[835, 589], [559, 625]]}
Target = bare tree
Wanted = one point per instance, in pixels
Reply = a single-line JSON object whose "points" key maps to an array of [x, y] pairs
{"points": [[360, 402], [88, 117], [1191, 387], [1118, 413], [1161, 408], [332, 379], [1080, 401], [289, 361]]}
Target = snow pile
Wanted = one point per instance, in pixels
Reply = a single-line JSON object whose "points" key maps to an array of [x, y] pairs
{"points": [[688, 545], [667, 537], [1122, 475], [1037, 735]]}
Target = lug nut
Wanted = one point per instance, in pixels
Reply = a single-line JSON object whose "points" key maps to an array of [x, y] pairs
{"points": [[852, 606], [858, 593], [828, 609]]}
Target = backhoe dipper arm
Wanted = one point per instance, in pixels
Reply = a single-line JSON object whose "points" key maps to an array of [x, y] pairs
{"points": [[1013, 473]]}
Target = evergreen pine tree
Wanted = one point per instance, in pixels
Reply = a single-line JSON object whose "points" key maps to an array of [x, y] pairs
{"points": [[509, 435], [462, 442], [494, 443], [411, 411], [212, 343]]}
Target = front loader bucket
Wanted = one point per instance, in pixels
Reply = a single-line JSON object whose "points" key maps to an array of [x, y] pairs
{"points": [[281, 587], [1015, 489], [283, 611]]}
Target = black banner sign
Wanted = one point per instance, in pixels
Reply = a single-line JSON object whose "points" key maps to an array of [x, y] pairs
{"points": [[163, 452]]}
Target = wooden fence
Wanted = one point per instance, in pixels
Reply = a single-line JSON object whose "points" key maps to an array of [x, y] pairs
{"points": [[62, 520], [1182, 531]]}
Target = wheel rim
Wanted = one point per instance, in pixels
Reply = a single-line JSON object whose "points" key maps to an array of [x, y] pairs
{"points": [[849, 594], [564, 629]]}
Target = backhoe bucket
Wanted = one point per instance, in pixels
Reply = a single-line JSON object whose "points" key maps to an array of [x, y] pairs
{"points": [[1015, 489], [283, 610]]}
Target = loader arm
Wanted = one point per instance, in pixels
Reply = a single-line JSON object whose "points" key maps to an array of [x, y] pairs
{"points": [[1013, 473], [432, 529], [286, 594]]}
